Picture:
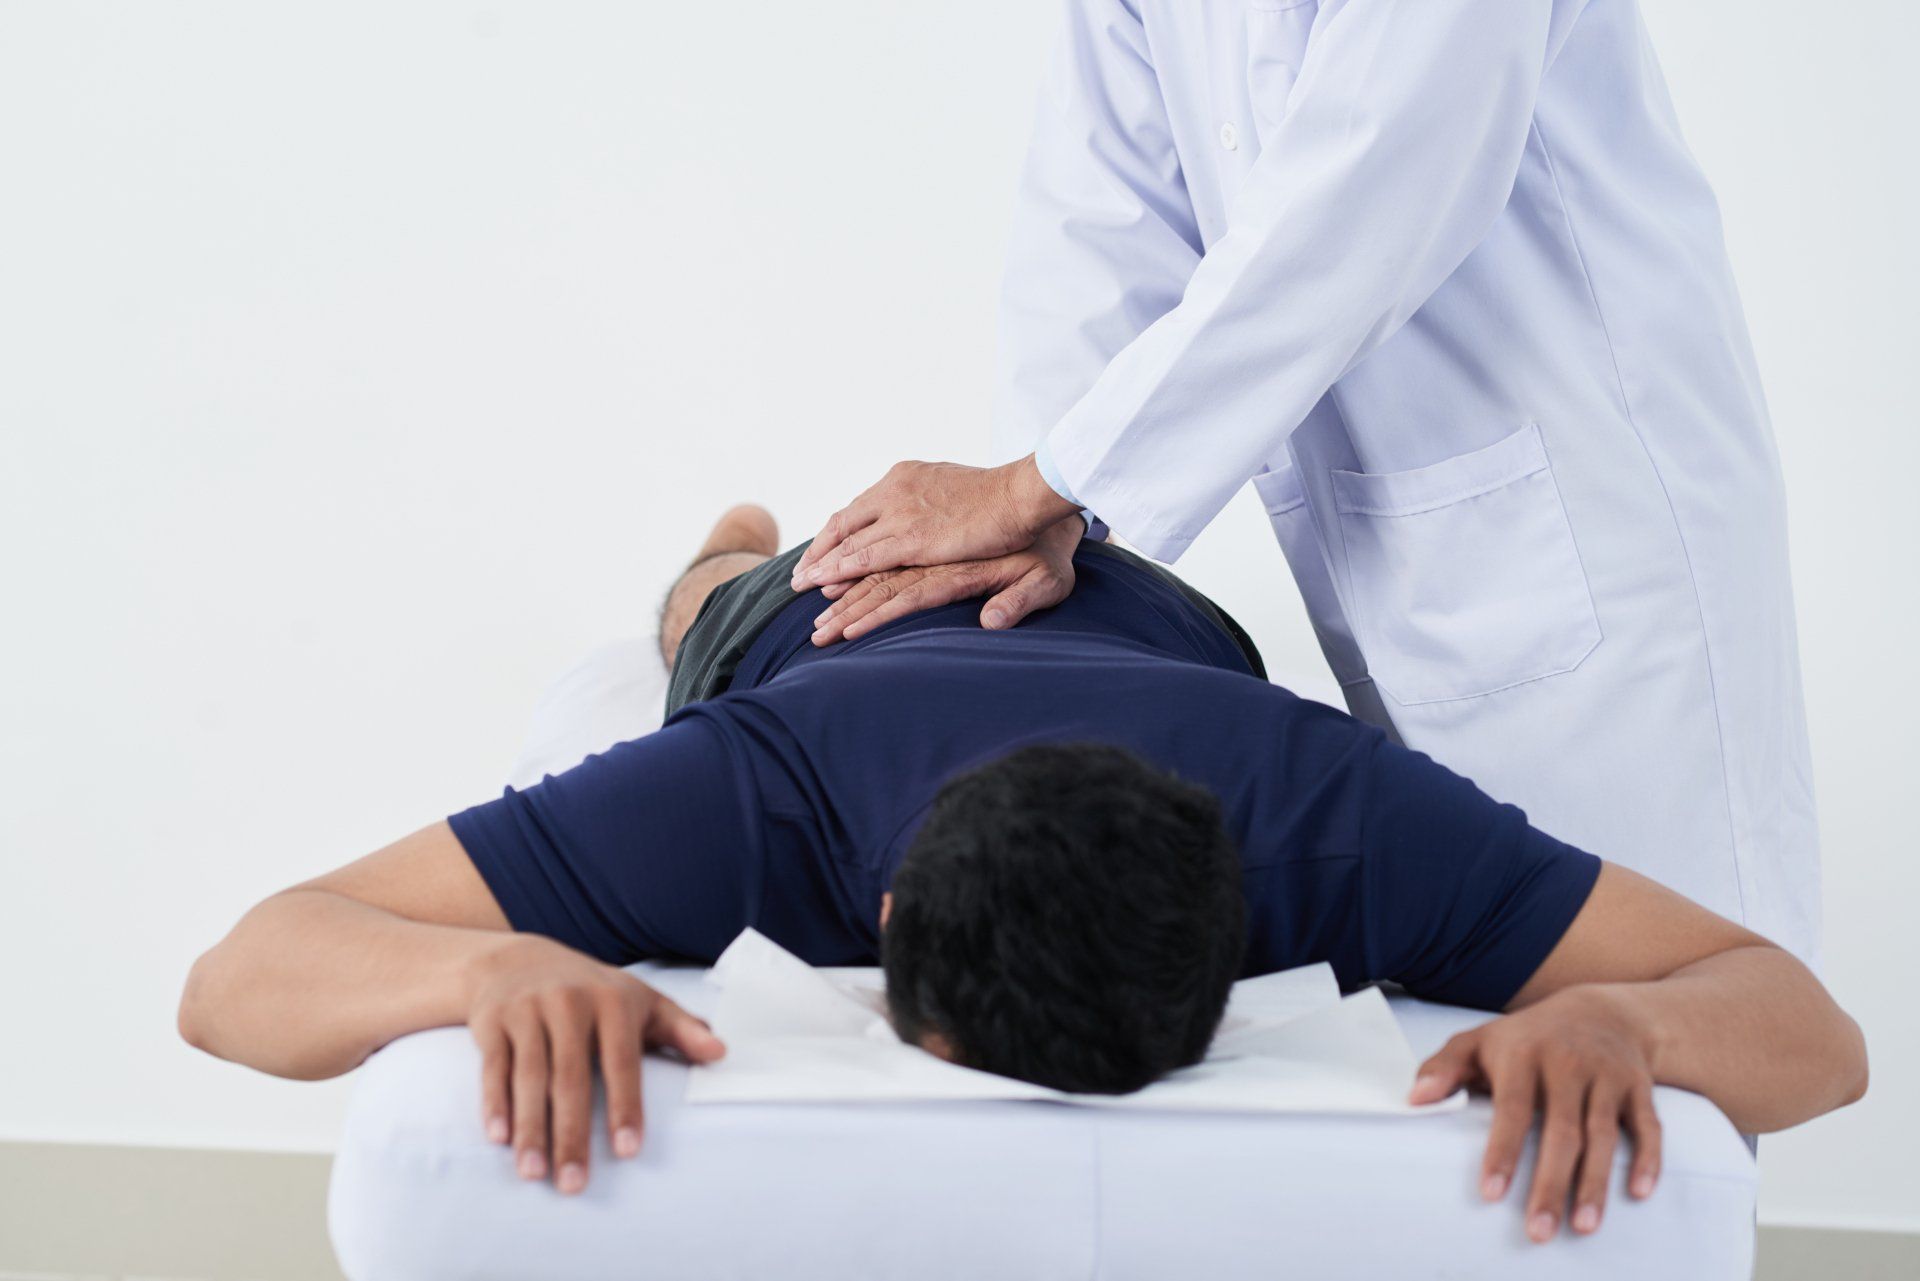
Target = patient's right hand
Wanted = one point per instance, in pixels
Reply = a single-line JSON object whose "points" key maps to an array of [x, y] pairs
{"points": [[541, 1013]]}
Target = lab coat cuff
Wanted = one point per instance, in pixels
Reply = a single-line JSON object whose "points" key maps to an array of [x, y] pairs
{"points": [[1050, 472], [1135, 516]]}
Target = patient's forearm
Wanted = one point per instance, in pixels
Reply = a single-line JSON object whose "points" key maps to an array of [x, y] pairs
{"points": [[1754, 1031], [311, 982]]}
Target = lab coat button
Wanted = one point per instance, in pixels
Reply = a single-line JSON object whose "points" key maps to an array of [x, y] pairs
{"points": [[1229, 136]]}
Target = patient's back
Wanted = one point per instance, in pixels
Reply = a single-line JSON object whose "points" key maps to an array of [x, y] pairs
{"points": [[787, 802]]}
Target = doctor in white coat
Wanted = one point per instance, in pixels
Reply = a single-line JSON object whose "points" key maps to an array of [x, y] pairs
{"points": [[1442, 281]]}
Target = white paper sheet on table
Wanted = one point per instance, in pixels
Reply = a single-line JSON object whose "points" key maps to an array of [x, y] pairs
{"points": [[1289, 1043]]}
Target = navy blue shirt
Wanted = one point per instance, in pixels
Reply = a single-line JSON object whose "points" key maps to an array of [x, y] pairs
{"points": [[786, 803]]}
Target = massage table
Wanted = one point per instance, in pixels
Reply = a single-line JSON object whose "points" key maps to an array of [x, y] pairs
{"points": [[973, 1189]]}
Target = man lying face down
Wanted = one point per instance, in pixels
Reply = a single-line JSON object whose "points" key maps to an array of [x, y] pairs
{"points": [[1064, 842]]}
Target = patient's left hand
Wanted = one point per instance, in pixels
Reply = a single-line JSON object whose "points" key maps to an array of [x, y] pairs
{"points": [[1016, 585], [1581, 1059]]}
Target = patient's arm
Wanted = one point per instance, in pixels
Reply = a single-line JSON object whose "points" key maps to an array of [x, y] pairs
{"points": [[1728, 1014], [1645, 987], [316, 978]]}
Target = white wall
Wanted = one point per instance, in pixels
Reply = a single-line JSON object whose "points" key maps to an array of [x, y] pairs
{"points": [[361, 365]]}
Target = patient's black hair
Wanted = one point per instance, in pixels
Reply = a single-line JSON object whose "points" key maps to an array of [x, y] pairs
{"points": [[1068, 915]]}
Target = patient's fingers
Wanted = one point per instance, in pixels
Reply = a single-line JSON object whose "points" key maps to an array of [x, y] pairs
{"points": [[569, 1031], [1447, 1070], [1643, 1125], [1515, 1093], [1596, 1162], [495, 1060], [1562, 1135], [619, 1038], [669, 1026], [529, 1036]]}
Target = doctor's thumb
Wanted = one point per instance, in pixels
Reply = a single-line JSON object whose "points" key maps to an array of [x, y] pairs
{"points": [[1036, 590]]}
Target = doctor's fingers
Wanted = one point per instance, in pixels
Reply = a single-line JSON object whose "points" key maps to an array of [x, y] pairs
{"points": [[856, 599], [1041, 587], [878, 599], [840, 526], [886, 544]]}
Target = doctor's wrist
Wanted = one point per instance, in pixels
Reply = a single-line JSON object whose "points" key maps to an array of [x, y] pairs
{"points": [[1033, 501]]}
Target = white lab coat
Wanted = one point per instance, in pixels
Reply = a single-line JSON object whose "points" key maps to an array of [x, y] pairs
{"points": [[1441, 279]]}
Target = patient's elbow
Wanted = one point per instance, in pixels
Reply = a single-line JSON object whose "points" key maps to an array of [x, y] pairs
{"points": [[195, 1017], [1856, 1064]]}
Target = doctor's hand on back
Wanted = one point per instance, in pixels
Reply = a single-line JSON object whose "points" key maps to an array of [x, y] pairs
{"points": [[929, 534]]}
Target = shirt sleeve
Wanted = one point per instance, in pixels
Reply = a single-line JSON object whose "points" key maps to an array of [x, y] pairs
{"points": [[1461, 899], [1399, 147], [643, 850]]}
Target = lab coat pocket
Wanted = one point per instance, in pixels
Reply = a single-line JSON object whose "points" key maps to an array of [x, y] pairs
{"points": [[1463, 577]]}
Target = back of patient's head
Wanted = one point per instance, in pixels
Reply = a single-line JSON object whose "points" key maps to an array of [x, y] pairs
{"points": [[1067, 915]]}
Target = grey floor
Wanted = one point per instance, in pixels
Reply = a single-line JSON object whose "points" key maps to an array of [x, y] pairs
{"points": [[69, 1211]]}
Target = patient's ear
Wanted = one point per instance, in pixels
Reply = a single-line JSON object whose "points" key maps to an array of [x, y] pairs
{"points": [[886, 908], [937, 1044]]}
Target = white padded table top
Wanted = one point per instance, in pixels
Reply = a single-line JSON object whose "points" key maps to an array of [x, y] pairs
{"points": [[1003, 1190]]}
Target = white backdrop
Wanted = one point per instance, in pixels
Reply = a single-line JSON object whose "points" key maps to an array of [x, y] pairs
{"points": [[363, 364]]}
